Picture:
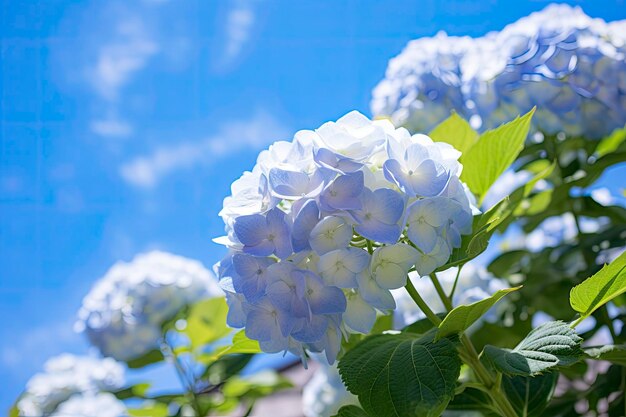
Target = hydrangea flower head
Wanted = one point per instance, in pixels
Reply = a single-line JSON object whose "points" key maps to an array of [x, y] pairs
{"points": [[559, 59], [65, 376], [332, 231], [123, 313]]}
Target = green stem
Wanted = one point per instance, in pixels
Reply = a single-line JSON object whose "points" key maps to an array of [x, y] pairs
{"points": [[468, 353], [182, 377], [606, 319], [370, 249], [577, 322], [421, 303], [444, 298], [456, 281]]}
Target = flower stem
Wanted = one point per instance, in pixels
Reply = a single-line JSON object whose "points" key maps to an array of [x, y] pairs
{"points": [[168, 351], [444, 298], [456, 281], [467, 352], [421, 303]]}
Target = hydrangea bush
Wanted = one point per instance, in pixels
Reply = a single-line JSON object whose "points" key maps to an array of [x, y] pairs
{"points": [[326, 228]]}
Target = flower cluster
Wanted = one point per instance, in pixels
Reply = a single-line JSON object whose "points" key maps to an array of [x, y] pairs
{"points": [[569, 65], [66, 376], [124, 312], [325, 226]]}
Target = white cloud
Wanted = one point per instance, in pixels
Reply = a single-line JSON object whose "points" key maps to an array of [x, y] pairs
{"points": [[126, 52], [111, 127], [239, 24], [146, 171], [119, 43], [240, 21]]}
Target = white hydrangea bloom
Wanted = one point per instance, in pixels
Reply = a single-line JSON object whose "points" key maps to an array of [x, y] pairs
{"points": [[64, 376], [123, 314], [102, 404]]}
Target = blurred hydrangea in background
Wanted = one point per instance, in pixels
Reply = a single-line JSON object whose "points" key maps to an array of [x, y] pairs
{"points": [[71, 385], [123, 313], [570, 66]]}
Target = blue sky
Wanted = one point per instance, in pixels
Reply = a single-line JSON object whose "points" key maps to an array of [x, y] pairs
{"points": [[124, 123]]}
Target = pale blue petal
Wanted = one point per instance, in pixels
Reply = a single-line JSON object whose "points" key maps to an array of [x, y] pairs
{"points": [[359, 316], [279, 233], [394, 173], [326, 158], [311, 331], [305, 221], [259, 325], [288, 184], [327, 300], [378, 231], [246, 265], [343, 193], [429, 179], [423, 235], [263, 248], [236, 316], [251, 229], [388, 205], [275, 345], [415, 154]]}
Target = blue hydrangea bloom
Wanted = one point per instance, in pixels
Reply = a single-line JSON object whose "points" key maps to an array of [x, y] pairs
{"points": [[323, 228]]}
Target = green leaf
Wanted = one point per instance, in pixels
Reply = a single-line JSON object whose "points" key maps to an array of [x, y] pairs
{"points": [[529, 396], [552, 344], [134, 391], [422, 326], [402, 374], [455, 131], [351, 411], [462, 317], [225, 367], [153, 356], [606, 284], [494, 152], [206, 322], [239, 344], [612, 353], [485, 225], [383, 323], [471, 399], [611, 143], [150, 409]]}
